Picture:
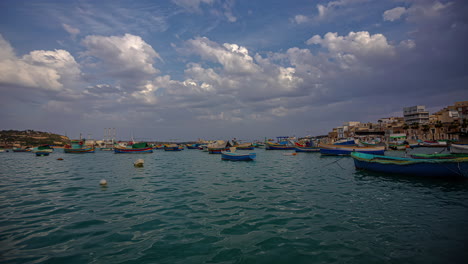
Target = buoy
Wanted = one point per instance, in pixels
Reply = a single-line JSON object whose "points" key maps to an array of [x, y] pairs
{"points": [[103, 182], [139, 163], [59, 159]]}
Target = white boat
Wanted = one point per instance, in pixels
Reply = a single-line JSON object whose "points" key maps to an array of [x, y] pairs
{"points": [[459, 149]]}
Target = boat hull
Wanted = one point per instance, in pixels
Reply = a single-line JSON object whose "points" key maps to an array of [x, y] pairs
{"points": [[173, 148], [459, 149], [414, 167], [270, 146], [307, 149], [217, 150], [79, 150], [340, 150], [237, 156], [133, 151]]}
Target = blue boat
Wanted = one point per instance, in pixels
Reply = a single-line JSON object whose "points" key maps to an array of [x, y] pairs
{"points": [[345, 142], [173, 147], [283, 143], [307, 149], [234, 156], [340, 150], [457, 167]]}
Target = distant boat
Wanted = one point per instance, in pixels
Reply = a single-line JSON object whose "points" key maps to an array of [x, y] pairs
{"points": [[78, 147], [21, 149], [192, 146], [458, 149], [327, 149], [434, 144], [307, 149], [408, 166], [245, 146], [282, 143], [137, 148], [43, 150], [218, 146], [234, 156], [173, 147]]}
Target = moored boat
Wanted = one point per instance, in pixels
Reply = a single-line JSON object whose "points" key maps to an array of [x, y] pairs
{"points": [[218, 147], [245, 146], [345, 142], [439, 156], [137, 148], [407, 166], [307, 149], [234, 156], [173, 147], [78, 147], [44, 150], [192, 146], [282, 144], [326, 149], [21, 149], [433, 144], [459, 149]]}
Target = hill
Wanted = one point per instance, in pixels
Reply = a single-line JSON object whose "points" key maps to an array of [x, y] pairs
{"points": [[30, 138]]}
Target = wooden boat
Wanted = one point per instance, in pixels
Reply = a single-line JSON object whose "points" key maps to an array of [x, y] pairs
{"points": [[218, 147], [459, 149], [138, 148], [44, 150], [326, 149], [245, 146], [21, 149], [345, 142], [439, 156], [173, 147], [192, 146], [234, 156], [307, 149], [78, 147], [408, 166], [433, 144]]}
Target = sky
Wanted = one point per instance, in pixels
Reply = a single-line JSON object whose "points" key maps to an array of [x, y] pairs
{"points": [[187, 69]]}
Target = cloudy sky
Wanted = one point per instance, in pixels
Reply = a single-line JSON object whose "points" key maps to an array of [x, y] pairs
{"points": [[218, 69]]}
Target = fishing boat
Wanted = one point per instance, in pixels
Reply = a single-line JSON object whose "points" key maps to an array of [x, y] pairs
{"points": [[173, 147], [400, 145], [234, 156], [78, 147], [306, 147], [439, 156], [345, 142], [43, 150], [433, 144], [326, 149], [245, 146], [192, 146], [459, 149], [282, 143], [218, 147], [408, 166], [21, 149], [137, 148]]}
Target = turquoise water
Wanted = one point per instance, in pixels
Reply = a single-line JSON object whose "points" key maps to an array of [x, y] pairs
{"points": [[192, 207]]}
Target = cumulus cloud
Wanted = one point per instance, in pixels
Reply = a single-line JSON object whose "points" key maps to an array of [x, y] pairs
{"points": [[127, 56], [46, 70], [394, 14]]}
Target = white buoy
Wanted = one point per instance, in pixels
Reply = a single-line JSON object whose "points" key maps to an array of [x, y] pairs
{"points": [[139, 163], [103, 182]]}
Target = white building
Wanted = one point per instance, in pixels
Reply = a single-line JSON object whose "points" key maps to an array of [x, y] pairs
{"points": [[416, 114]]}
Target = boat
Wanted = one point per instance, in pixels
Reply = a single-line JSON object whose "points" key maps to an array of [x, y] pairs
{"points": [[326, 149], [307, 149], [192, 146], [408, 166], [433, 144], [173, 147], [282, 144], [21, 149], [43, 150], [439, 156], [345, 142], [136, 148], [234, 156], [398, 145], [245, 146], [459, 149], [218, 147], [78, 147]]}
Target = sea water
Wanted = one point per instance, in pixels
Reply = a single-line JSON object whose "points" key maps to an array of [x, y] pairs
{"points": [[192, 207]]}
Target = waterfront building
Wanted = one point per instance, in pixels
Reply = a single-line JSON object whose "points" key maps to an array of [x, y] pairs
{"points": [[416, 114]]}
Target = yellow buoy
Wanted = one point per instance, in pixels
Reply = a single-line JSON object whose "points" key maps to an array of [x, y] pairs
{"points": [[103, 182], [139, 163]]}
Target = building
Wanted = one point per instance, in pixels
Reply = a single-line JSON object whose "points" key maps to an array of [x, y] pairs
{"points": [[416, 114]]}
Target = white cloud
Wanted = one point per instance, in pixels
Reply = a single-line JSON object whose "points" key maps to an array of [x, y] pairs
{"points": [[125, 56], [71, 30], [47, 70], [326, 11], [192, 5], [299, 19], [394, 14]]}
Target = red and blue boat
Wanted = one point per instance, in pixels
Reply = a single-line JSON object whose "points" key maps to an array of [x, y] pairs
{"points": [[173, 147], [457, 167], [137, 148], [282, 144]]}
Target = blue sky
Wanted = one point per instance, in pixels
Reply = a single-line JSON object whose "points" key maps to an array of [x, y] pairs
{"points": [[188, 69]]}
